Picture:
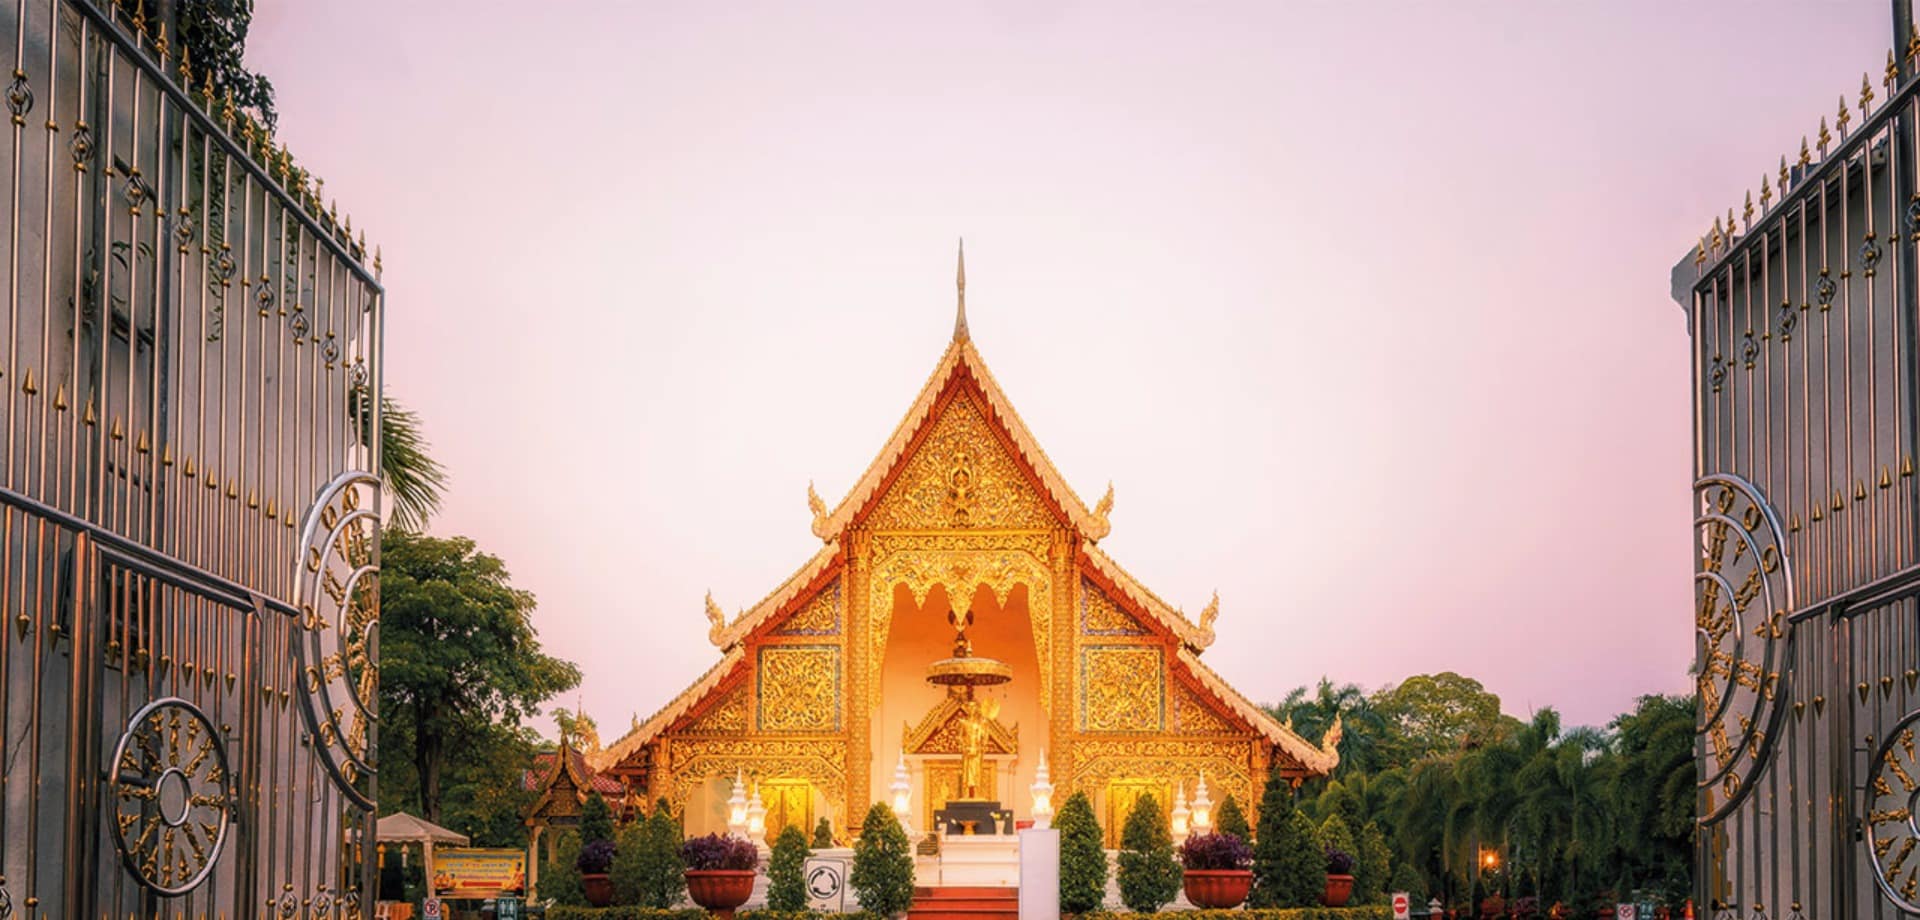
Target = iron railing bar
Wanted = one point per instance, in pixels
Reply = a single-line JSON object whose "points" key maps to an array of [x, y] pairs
{"points": [[1816, 173], [180, 98], [153, 563], [1871, 595]]}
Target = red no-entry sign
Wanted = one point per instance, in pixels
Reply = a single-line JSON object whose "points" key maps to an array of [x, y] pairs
{"points": [[1401, 909]]}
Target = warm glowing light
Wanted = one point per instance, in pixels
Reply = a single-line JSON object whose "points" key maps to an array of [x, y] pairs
{"points": [[1490, 859], [1180, 815], [737, 806], [1202, 808], [902, 789], [757, 818], [1042, 796]]}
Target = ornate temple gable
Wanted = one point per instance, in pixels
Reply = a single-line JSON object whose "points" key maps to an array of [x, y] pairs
{"points": [[1131, 596], [939, 732], [1190, 714], [961, 476], [1122, 689], [725, 714], [1100, 616], [802, 689], [629, 752], [960, 373], [820, 615], [1289, 748]]}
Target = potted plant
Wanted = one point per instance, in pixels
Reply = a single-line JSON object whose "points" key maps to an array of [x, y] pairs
{"points": [[1219, 870], [1339, 878], [720, 872], [594, 861]]}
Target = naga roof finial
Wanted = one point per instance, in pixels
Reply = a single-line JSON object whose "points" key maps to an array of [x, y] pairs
{"points": [[960, 282]]}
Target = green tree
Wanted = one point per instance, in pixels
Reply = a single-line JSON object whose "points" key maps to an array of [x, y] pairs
{"points": [[1289, 869], [823, 834], [213, 34], [1334, 834], [882, 864], [646, 864], [1406, 879], [459, 654], [1371, 865], [414, 480], [786, 869], [596, 819], [1312, 714], [1231, 820], [560, 880], [1083, 858], [1431, 714], [1149, 872]]}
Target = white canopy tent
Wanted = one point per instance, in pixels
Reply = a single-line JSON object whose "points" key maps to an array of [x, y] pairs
{"points": [[401, 827]]}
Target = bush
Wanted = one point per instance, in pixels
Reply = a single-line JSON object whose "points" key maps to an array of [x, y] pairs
{"points": [[1289, 869], [1083, 858], [596, 820], [823, 835], [1149, 875], [715, 851], [786, 871], [883, 863], [626, 912], [1215, 851], [1406, 879], [1231, 820], [595, 858], [562, 884], [1303, 913], [1334, 834], [1375, 861], [647, 870]]}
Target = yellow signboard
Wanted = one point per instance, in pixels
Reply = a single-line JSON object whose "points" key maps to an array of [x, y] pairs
{"points": [[475, 872]]}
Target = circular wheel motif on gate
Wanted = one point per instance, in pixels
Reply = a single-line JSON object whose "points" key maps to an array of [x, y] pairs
{"points": [[171, 794], [1743, 592], [339, 596], [1893, 829]]}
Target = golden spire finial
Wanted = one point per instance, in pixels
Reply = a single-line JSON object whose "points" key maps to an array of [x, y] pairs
{"points": [[1844, 118], [1806, 156], [1822, 139], [1913, 42], [960, 332], [1866, 89], [1893, 72], [1746, 210], [1783, 176], [1766, 191]]}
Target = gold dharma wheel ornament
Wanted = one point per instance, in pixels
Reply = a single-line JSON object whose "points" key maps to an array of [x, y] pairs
{"points": [[964, 668]]}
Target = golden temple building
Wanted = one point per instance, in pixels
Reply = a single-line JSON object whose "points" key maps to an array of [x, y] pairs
{"points": [[820, 692]]}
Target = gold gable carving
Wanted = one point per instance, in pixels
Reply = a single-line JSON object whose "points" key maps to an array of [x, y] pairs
{"points": [[800, 688], [939, 732], [960, 563], [727, 716], [1226, 764], [822, 762], [820, 616], [1123, 689], [1192, 715], [1100, 616], [961, 478]]}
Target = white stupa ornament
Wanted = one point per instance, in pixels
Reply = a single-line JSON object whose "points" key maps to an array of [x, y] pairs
{"points": [[1180, 813], [1202, 808], [1042, 796], [902, 790], [737, 806]]}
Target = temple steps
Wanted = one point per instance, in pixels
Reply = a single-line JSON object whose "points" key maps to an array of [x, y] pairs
{"points": [[971, 903]]}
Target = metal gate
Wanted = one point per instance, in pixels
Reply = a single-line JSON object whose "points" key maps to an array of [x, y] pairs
{"points": [[189, 511], [1802, 315]]}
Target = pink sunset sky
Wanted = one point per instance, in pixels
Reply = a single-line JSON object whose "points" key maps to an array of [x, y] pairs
{"points": [[1362, 307]]}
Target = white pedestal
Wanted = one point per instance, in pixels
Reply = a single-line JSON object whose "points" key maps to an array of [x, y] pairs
{"points": [[1040, 874], [980, 861]]}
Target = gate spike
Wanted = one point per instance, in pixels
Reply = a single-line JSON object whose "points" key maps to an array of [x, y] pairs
{"points": [[166, 455], [1886, 477], [141, 444], [60, 398], [1866, 89], [27, 385], [1806, 157], [1783, 175], [118, 433]]}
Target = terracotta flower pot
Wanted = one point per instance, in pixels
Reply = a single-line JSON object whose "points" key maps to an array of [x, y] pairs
{"points": [[720, 890], [599, 888], [1217, 889], [1339, 889]]}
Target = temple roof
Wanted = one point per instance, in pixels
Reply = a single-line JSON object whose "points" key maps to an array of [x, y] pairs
{"points": [[960, 357], [542, 773]]}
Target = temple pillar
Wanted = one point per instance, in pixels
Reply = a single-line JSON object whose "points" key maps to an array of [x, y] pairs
{"points": [[859, 679], [1066, 620]]}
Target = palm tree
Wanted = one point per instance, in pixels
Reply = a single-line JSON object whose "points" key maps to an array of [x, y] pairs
{"points": [[413, 479]]}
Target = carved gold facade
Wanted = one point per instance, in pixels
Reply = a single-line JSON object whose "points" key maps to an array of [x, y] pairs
{"points": [[820, 684]]}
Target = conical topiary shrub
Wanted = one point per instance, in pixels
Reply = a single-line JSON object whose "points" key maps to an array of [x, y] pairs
{"points": [[882, 864], [786, 870], [1231, 820], [1083, 857], [1149, 873]]}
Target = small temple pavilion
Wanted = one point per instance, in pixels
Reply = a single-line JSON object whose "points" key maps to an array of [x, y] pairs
{"points": [[828, 695]]}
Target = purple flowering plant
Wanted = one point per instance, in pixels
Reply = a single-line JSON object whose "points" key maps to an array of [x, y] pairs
{"points": [[715, 851], [1339, 862], [595, 858], [1215, 851]]}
